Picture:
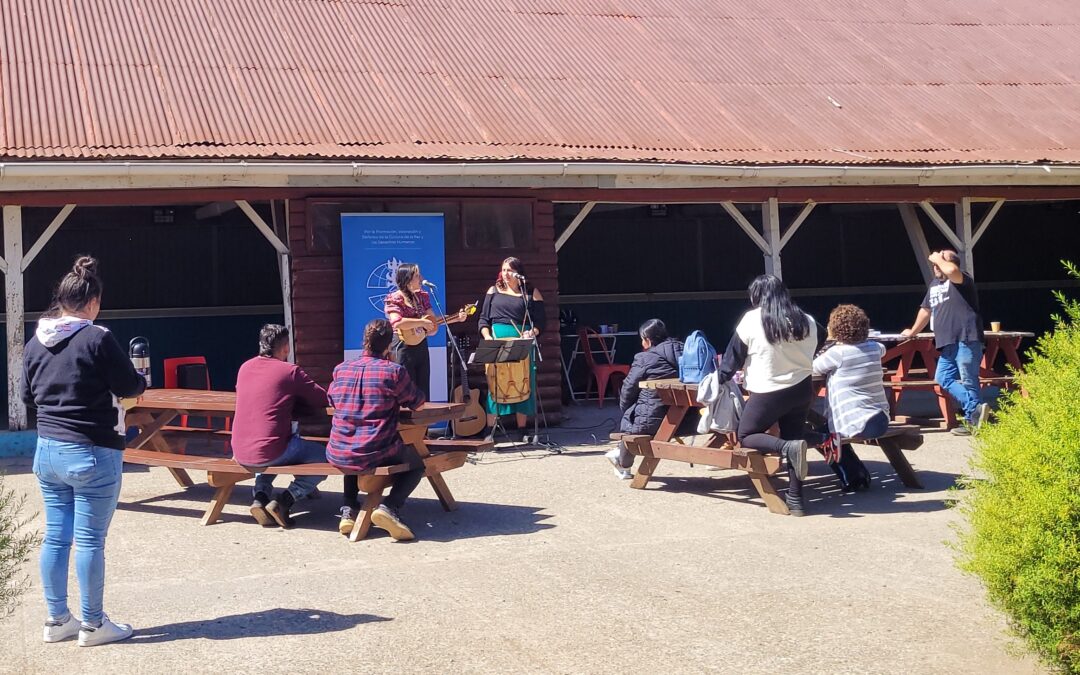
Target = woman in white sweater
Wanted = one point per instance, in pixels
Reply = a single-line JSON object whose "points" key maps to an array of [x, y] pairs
{"points": [[774, 344]]}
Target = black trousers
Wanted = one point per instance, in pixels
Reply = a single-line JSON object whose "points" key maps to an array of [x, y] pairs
{"points": [[402, 484], [417, 362], [787, 408]]}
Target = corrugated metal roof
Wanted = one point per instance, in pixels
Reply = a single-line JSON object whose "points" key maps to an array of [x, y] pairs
{"points": [[701, 81]]}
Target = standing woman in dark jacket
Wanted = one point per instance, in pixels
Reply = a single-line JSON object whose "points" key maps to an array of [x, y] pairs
{"points": [[74, 373], [642, 410]]}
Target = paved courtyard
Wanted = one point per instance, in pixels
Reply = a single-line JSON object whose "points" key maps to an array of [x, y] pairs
{"points": [[551, 565]]}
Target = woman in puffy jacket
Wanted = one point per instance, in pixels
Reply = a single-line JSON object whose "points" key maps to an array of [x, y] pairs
{"points": [[642, 409]]}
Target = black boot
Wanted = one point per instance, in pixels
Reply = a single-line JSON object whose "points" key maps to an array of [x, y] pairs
{"points": [[280, 507]]}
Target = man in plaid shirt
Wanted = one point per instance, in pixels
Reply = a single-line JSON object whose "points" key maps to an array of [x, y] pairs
{"points": [[367, 394]]}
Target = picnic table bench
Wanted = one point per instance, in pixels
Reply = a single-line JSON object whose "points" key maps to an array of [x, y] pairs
{"points": [[720, 451], [152, 412]]}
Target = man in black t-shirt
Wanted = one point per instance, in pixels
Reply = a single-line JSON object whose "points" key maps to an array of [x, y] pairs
{"points": [[951, 306]]}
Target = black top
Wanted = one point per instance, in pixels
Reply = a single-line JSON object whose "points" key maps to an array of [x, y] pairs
{"points": [[954, 311], [72, 385], [509, 309], [642, 409]]}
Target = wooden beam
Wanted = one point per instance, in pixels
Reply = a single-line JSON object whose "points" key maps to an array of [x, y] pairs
{"points": [[936, 218], [573, 226], [985, 222], [13, 283], [47, 235], [799, 219], [918, 239], [770, 224], [741, 220], [963, 233], [262, 226]]}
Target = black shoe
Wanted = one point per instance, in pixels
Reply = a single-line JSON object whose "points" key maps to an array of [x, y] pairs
{"points": [[258, 510], [280, 507]]}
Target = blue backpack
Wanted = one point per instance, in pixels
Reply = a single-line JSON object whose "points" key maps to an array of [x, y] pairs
{"points": [[698, 358]]}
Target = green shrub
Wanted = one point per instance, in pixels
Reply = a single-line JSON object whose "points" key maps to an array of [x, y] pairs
{"points": [[1023, 532], [16, 543]]}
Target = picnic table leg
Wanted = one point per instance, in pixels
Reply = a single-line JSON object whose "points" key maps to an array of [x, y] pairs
{"points": [[764, 485], [644, 472], [224, 482], [372, 499], [900, 464], [414, 436], [150, 434]]}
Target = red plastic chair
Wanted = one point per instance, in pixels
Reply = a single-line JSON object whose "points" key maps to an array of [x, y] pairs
{"points": [[602, 373], [172, 367]]}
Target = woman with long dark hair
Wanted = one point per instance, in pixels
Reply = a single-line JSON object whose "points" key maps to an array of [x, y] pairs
{"points": [[408, 308], [774, 344], [642, 409], [74, 373], [503, 316]]}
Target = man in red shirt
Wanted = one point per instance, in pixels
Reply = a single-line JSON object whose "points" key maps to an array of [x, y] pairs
{"points": [[270, 394]]}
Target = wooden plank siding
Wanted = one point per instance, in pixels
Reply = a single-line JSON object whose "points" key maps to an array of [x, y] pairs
{"points": [[318, 306]]}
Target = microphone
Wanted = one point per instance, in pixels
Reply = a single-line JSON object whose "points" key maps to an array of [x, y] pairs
{"points": [[430, 285], [519, 277]]}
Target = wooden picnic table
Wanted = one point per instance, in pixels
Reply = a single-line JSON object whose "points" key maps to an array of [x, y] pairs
{"points": [[152, 412], [720, 451], [910, 362]]}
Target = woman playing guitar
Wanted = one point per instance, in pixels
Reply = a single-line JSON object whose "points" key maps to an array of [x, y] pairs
{"points": [[408, 308]]}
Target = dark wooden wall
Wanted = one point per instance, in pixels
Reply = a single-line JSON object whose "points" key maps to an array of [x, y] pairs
{"points": [[318, 295]]}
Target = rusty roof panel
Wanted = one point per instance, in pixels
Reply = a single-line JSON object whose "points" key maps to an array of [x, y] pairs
{"points": [[704, 81]]}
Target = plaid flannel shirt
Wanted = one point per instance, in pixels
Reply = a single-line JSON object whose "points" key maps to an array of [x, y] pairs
{"points": [[368, 394]]}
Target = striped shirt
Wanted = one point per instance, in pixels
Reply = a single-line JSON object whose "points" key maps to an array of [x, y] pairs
{"points": [[368, 394], [856, 391]]}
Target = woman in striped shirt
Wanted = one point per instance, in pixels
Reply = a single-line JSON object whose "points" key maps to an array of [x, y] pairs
{"points": [[857, 403]]}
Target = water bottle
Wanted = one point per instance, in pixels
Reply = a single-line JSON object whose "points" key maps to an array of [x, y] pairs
{"points": [[139, 353]]}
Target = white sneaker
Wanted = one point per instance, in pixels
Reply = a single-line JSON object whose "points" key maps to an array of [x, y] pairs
{"points": [[58, 631], [982, 413], [620, 471], [105, 633]]}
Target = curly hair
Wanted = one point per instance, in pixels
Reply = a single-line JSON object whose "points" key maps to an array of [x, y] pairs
{"points": [[849, 324]]}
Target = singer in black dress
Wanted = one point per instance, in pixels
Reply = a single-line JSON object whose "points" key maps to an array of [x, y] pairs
{"points": [[503, 316], [409, 308]]}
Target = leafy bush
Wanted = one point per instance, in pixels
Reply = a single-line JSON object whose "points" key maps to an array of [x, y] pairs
{"points": [[16, 543], [1023, 534]]}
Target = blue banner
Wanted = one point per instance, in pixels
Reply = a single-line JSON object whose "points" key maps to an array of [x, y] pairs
{"points": [[373, 245]]}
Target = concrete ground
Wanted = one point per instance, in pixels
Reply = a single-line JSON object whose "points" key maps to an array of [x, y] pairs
{"points": [[551, 565]]}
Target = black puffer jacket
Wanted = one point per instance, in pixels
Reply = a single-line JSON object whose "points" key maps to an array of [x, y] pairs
{"points": [[642, 409]]}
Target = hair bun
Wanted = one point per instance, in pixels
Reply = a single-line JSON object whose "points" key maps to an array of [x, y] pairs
{"points": [[85, 266]]}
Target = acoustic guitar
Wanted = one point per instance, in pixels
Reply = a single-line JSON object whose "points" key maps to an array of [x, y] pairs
{"points": [[474, 419], [415, 336]]}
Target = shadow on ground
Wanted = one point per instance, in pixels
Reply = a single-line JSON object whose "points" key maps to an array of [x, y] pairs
{"points": [[270, 623], [822, 494], [425, 516]]}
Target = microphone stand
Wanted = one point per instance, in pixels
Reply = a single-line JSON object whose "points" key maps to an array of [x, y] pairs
{"points": [[538, 409], [455, 348]]}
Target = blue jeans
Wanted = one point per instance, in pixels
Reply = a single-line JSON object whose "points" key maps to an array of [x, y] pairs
{"points": [[298, 451], [958, 374], [80, 484]]}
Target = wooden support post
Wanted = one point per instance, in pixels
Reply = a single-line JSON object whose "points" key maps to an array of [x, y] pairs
{"points": [[16, 337], [284, 266], [573, 226], [963, 233], [770, 221], [918, 239]]}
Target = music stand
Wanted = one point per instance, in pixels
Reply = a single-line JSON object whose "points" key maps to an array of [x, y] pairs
{"points": [[500, 351]]}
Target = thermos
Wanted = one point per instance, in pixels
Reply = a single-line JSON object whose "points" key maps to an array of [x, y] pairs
{"points": [[139, 353]]}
